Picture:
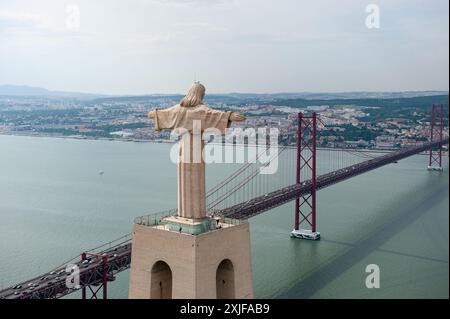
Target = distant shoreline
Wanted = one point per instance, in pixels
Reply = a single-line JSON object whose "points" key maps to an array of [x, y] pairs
{"points": [[172, 142], [362, 150], [90, 138]]}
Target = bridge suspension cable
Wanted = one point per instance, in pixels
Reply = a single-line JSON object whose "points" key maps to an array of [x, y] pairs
{"points": [[95, 249], [241, 169]]}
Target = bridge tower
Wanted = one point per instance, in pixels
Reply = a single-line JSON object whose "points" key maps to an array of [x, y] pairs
{"points": [[435, 155], [305, 205]]}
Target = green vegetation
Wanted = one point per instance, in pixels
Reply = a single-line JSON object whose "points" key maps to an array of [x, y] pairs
{"points": [[352, 133], [420, 103]]}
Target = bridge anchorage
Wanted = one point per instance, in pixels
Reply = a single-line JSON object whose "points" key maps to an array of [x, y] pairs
{"points": [[305, 204], [435, 155]]}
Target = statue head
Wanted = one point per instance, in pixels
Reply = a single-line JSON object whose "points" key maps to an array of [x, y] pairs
{"points": [[195, 95]]}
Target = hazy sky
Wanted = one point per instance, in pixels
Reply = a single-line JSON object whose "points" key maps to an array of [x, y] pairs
{"points": [[159, 46]]}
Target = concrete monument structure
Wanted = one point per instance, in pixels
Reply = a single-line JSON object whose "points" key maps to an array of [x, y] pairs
{"points": [[185, 253]]}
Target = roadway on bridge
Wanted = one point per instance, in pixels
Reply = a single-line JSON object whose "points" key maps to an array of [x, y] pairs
{"points": [[53, 283], [279, 197]]}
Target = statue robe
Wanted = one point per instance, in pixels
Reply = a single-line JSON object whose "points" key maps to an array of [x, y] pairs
{"points": [[191, 167]]}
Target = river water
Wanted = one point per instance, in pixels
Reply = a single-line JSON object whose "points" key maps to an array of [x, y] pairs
{"points": [[54, 204]]}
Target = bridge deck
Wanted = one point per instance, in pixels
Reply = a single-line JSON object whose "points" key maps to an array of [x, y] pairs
{"points": [[279, 197], [53, 283]]}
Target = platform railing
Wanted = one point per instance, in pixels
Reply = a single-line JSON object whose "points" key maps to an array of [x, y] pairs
{"points": [[156, 219]]}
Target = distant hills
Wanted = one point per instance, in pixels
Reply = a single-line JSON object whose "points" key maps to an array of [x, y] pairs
{"points": [[357, 95], [399, 103], [23, 90]]}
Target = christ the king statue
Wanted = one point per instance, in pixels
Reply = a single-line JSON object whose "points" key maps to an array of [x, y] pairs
{"points": [[185, 117]]}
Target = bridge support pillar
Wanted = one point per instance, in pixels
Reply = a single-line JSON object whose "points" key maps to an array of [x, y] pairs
{"points": [[305, 205], [104, 283], [175, 264], [435, 155]]}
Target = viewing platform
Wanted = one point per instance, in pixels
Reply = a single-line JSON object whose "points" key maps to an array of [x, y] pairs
{"points": [[168, 220]]}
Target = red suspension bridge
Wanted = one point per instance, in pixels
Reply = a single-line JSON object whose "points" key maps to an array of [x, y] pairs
{"points": [[242, 195]]}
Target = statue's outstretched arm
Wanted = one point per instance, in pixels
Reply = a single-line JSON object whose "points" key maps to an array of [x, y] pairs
{"points": [[151, 114], [237, 117]]}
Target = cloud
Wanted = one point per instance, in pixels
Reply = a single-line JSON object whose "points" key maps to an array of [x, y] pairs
{"points": [[30, 27], [157, 45], [190, 2], [22, 20]]}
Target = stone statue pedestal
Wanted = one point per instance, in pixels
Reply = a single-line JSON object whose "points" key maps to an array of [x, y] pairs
{"points": [[175, 264]]}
